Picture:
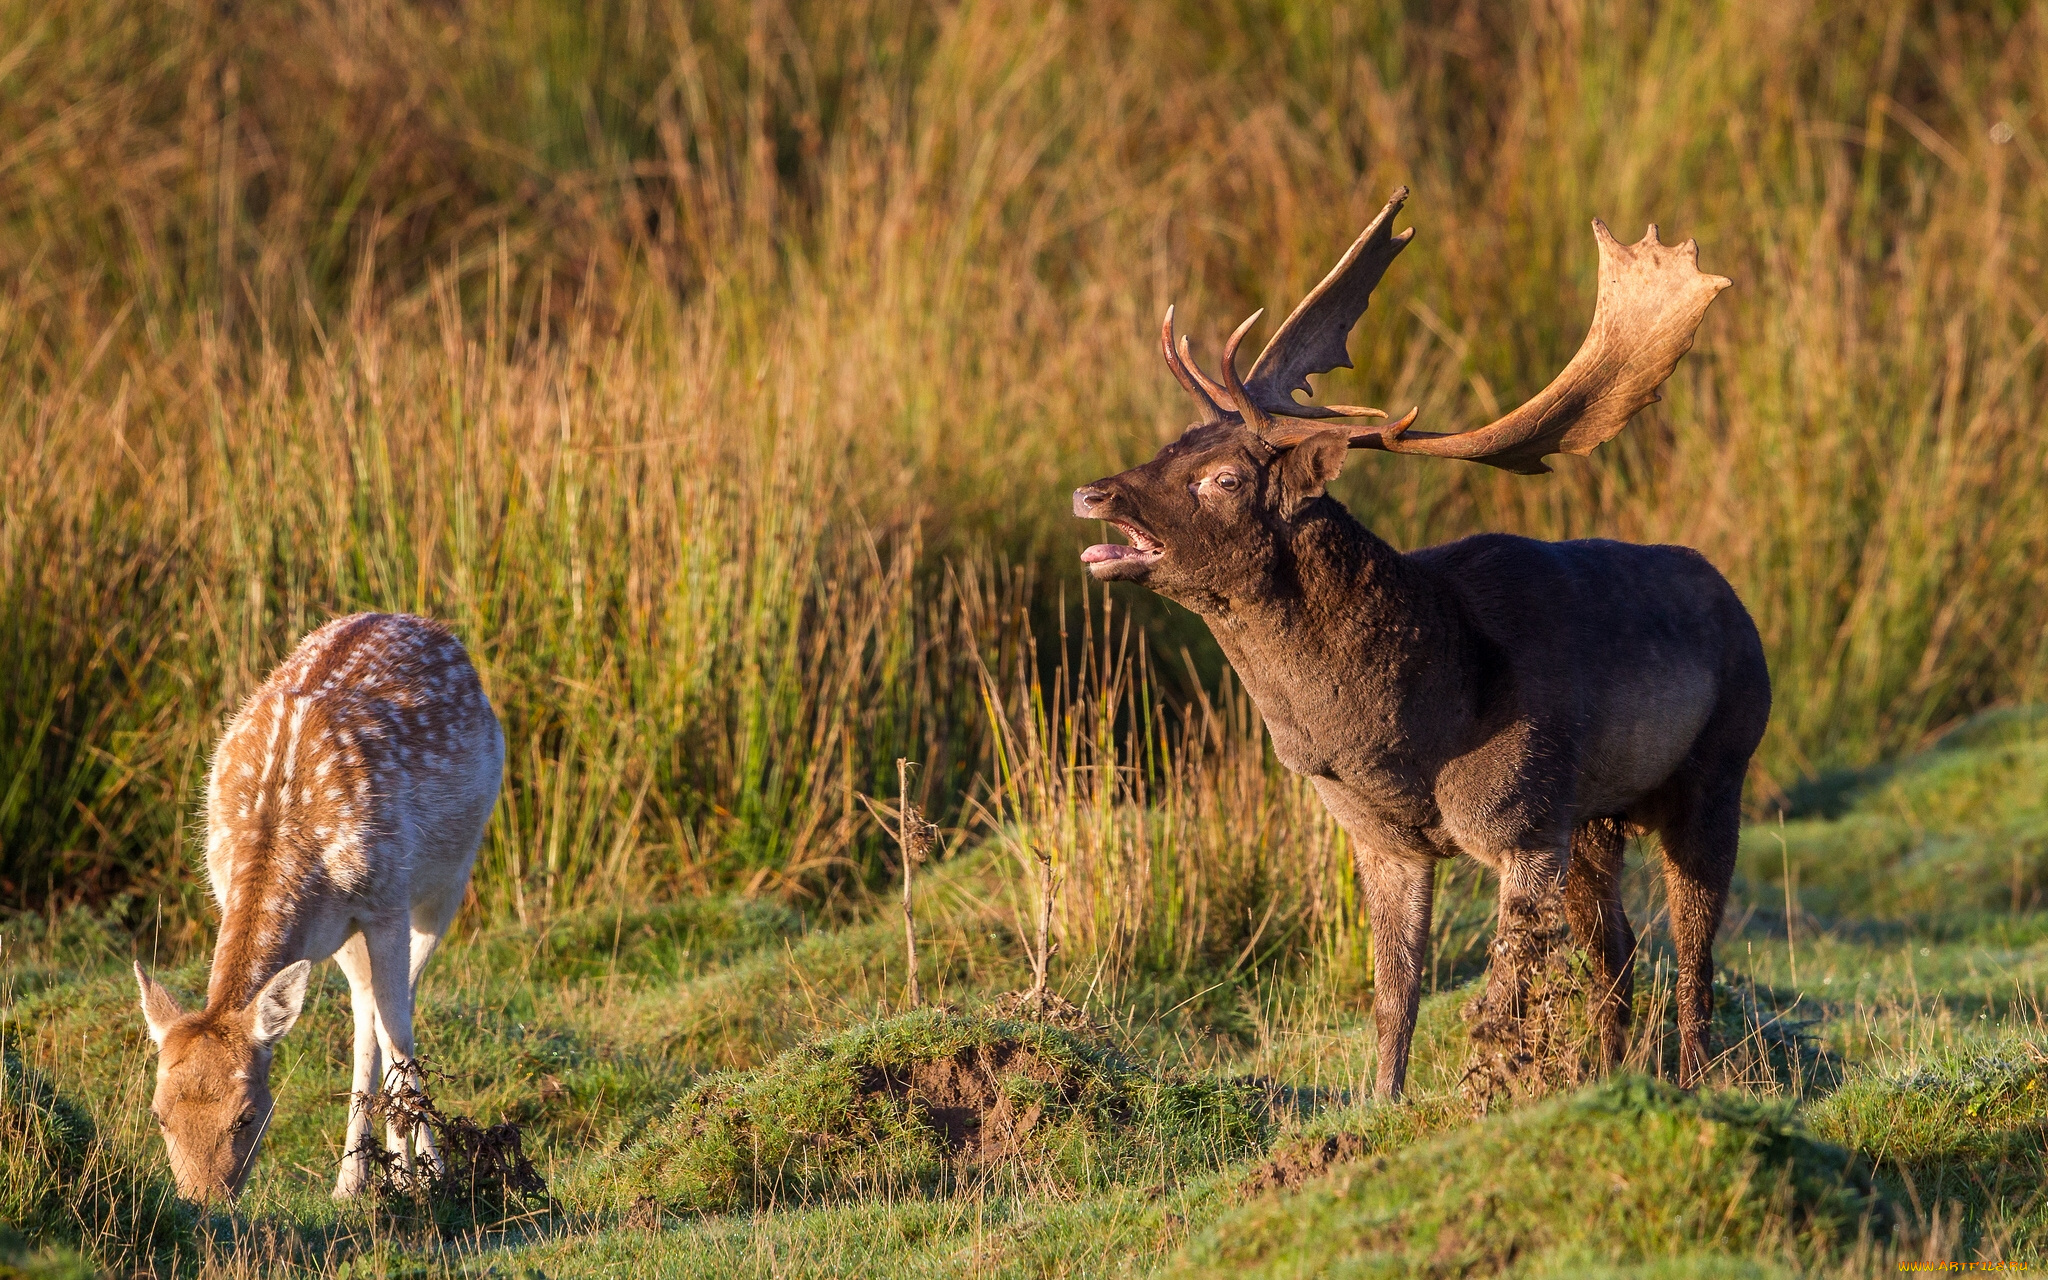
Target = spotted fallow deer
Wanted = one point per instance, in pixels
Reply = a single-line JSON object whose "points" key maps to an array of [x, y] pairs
{"points": [[343, 810], [1526, 703]]}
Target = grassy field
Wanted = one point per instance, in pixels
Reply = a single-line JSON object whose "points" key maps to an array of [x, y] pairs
{"points": [[719, 372], [706, 1088]]}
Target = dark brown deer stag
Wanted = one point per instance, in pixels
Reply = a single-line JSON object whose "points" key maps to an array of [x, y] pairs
{"points": [[1528, 703]]}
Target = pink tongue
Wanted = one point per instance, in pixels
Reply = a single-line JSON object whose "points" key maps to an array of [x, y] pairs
{"points": [[1105, 551]]}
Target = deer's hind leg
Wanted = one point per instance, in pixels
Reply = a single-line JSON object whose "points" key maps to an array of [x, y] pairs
{"points": [[389, 945], [1592, 905], [1700, 832]]}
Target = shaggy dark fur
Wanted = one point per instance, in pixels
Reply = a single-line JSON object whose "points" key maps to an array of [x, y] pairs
{"points": [[1526, 703]]}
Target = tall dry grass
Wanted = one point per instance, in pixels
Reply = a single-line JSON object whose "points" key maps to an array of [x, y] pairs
{"points": [[673, 352], [1159, 834]]}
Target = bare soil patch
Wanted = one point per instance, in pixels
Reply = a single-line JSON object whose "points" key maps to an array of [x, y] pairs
{"points": [[964, 1097], [1295, 1163]]}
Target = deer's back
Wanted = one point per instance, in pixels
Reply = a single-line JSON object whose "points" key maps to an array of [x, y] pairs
{"points": [[340, 770]]}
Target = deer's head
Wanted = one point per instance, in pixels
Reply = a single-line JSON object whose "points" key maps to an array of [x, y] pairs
{"points": [[1214, 510], [212, 1100]]}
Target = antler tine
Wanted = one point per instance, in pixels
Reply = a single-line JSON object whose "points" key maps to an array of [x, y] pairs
{"points": [[1253, 413], [1215, 390], [1387, 435], [1288, 434], [1345, 411], [1210, 407]]}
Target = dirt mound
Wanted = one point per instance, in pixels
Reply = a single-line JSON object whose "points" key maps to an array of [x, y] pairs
{"points": [[929, 1101], [963, 1096], [645, 1215], [1294, 1163]]}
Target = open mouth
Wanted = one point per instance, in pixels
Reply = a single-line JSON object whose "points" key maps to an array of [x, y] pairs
{"points": [[1143, 547]]}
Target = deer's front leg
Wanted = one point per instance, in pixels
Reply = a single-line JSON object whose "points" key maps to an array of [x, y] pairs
{"points": [[429, 922], [1529, 926], [366, 1076], [1399, 890]]}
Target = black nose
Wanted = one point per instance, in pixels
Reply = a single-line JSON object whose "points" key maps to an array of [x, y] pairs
{"points": [[1087, 499]]}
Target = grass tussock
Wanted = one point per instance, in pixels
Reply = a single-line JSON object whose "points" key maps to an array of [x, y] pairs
{"points": [[930, 1100], [54, 1262], [1625, 1173]]}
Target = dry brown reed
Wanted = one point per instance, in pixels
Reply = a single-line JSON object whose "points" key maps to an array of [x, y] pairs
{"points": [[673, 353]]}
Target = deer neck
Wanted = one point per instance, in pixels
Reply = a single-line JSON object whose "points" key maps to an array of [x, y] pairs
{"points": [[1331, 581], [1345, 631], [259, 926]]}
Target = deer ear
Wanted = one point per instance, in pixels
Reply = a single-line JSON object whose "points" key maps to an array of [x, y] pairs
{"points": [[1307, 468], [159, 1007], [277, 1006]]}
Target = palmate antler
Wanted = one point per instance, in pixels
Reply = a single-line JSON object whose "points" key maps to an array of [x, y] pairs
{"points": [[1651, 301], [1311, 340]]}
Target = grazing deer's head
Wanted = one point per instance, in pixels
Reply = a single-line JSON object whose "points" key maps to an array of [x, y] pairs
{"points": [[212, 1099], [1212, 511]]}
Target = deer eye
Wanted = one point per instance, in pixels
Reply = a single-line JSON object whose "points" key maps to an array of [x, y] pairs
{"points": [[243, 1121], [1227, 481]]}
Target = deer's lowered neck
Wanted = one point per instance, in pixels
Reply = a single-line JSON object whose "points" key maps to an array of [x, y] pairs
{"points": [[272, 879]]}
